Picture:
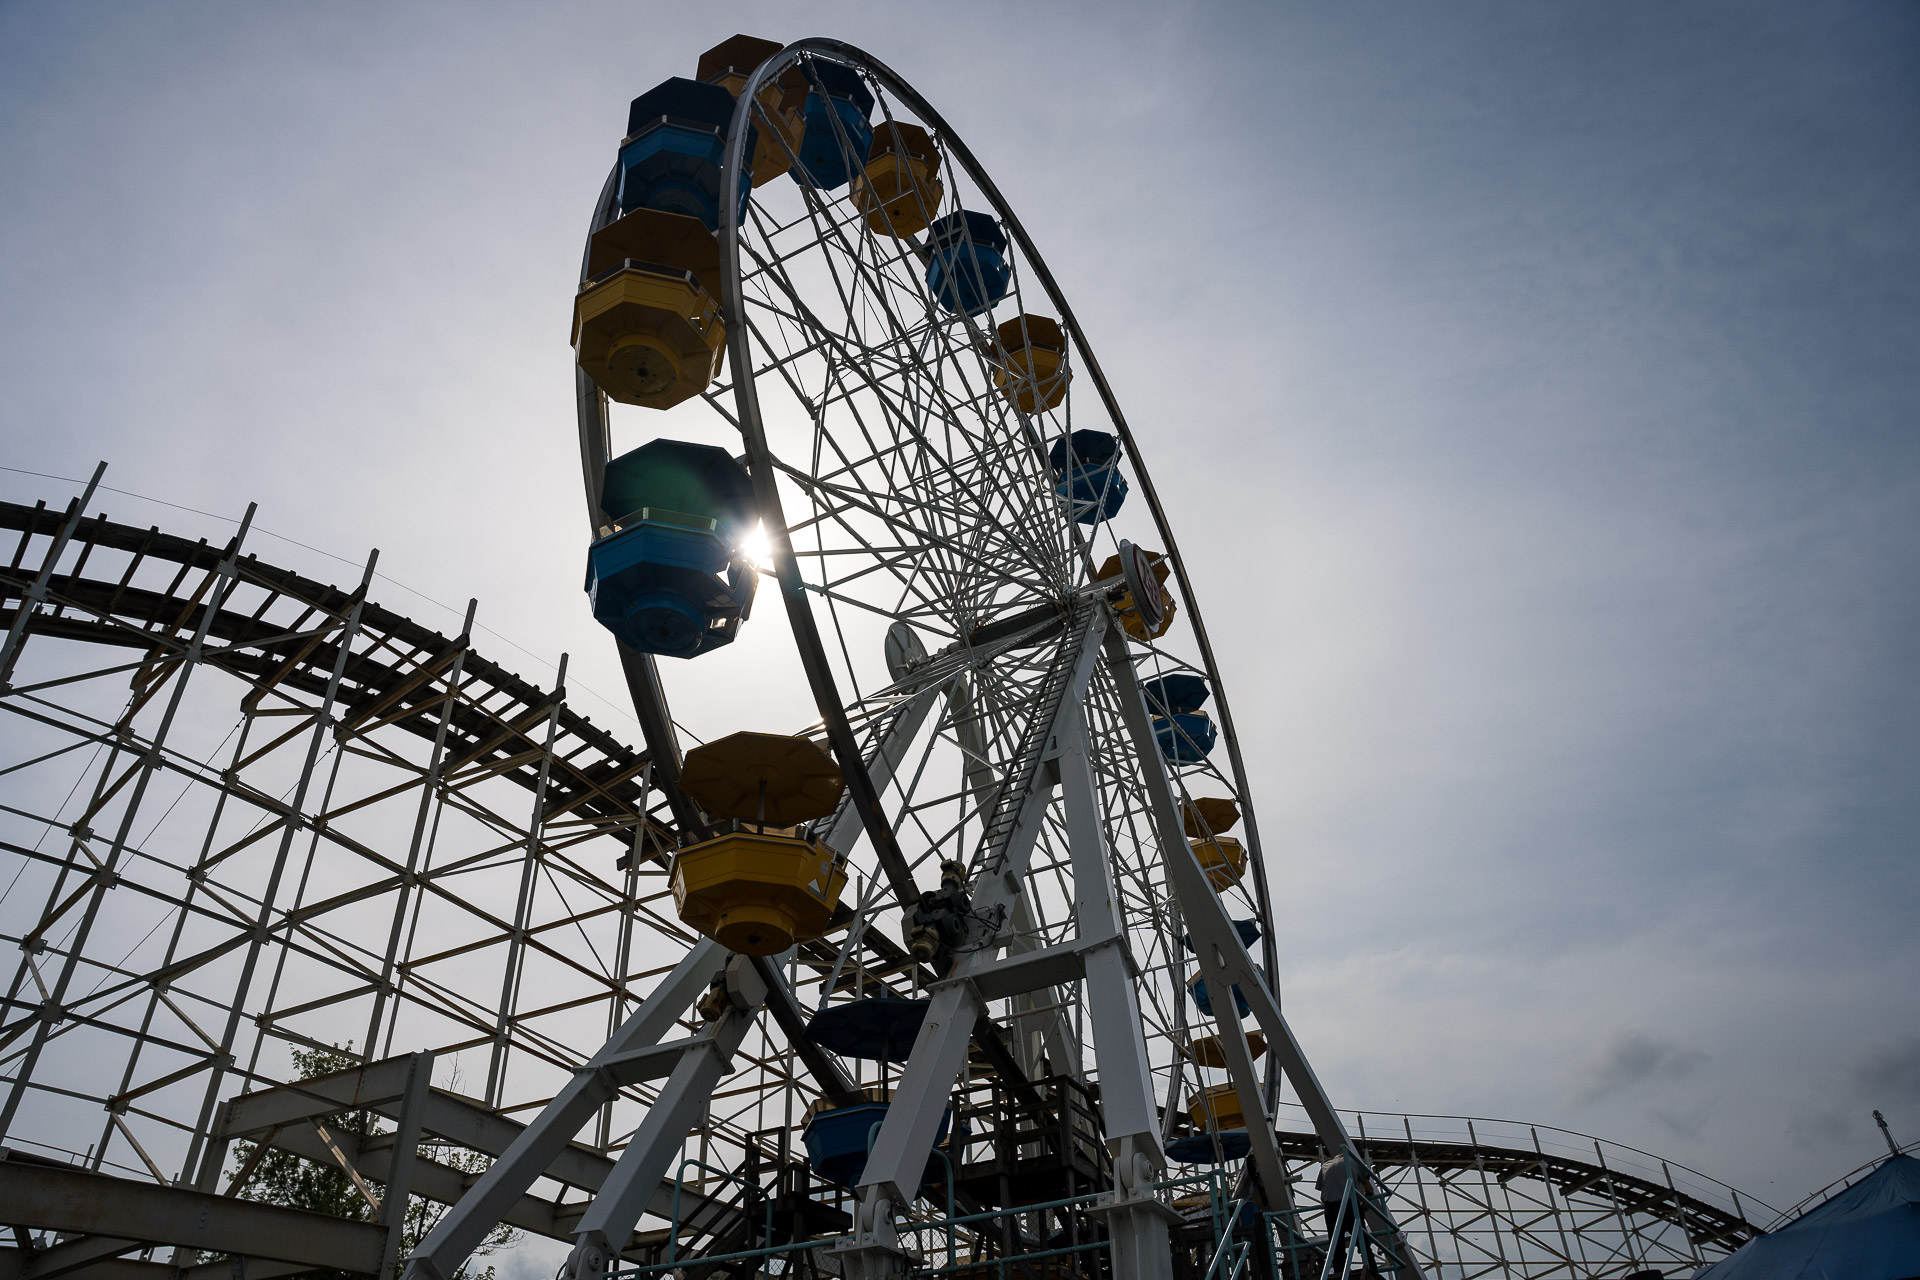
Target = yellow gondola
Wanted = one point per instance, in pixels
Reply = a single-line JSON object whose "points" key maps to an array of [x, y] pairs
{"points": [[1209, 1052], [671, 240], [728, 64], [1033, 376], [900, 190], [1217, 1108], [1223, 858], [754, 890], [649, 335], [1208, 816]]}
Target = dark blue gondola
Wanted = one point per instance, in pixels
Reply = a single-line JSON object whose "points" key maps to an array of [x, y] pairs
{"points": [[1185, 739], [676, 144], [1204, 1002], [839, 1140], [1175, 695], [670, 579], [1086, 467], [1084, 448], [967, 268], [881, 1029], [1184, 732], [1249, 931], [836, 125], [1199, 1148]]}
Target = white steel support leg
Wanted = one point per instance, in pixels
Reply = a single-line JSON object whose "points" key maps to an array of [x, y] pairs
{"points": [[1137, 1224], [1225, 964], [1126, 1084], [899, 1156], [467, 1223], [406, 1147], [918, 1102], [608, 1222]]}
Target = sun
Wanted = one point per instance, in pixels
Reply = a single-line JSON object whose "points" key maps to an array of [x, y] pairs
{"points": [[757, 549]]}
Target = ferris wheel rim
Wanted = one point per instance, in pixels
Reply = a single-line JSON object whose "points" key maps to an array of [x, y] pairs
{"points": [[746, 398]]}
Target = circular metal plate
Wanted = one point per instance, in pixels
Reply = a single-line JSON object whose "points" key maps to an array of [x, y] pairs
{"points": [[1142, 585], [904, 650]]}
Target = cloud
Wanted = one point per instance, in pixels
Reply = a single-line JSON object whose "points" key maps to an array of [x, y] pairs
{"points": [[1887, 1079], [1890, 1075], [531, 1258], [1689, 1123], [1538, 451], [1637, 1058]]}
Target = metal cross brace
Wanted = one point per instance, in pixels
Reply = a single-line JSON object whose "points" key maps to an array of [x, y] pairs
{"points": [[596, 1081]]}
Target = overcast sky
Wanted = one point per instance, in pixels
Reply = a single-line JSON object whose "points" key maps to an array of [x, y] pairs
{"points": [[1532, 387]]}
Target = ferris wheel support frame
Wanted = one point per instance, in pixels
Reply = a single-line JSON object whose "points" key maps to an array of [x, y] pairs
{"points": [[959, 1002], [1136, 1222], [908, 1131]]}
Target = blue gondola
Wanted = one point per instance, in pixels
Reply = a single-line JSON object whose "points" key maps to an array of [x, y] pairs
{"points": [[1084, 448], [676, 144], [1199, 1148], [1177, 695], [838, 1141], [880, 1029], [837, 132], [1184, 738], [670, 579], [1249, 931], [967, 270], [1095, 492], [1086, 467]]}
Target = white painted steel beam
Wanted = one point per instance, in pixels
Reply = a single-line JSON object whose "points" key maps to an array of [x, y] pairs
{"points": [[53, 1198], [403, 1156], [1029, 971], [1224, 963], [1137, 1223], [1126, 1081], [609, 1221], [456, 1236]]}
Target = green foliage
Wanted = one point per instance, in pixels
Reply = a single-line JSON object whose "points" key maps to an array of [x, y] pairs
{"points": [[283, 1178]]}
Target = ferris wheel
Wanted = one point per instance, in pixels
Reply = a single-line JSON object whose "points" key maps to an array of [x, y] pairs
{"points": [[1011, 875]]}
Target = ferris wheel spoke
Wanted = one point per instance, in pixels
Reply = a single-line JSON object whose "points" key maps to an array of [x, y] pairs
{"points": [[800, 313], [888, 560], [855, 500], [981, 499]]}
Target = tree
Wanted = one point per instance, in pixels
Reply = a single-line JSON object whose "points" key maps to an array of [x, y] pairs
{"points": [[286, 1179]]}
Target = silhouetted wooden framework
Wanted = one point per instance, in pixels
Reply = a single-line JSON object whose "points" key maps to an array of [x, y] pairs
{"points": [[281, 914], [1507, 1210]]}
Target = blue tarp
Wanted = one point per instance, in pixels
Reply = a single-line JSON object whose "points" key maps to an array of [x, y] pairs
{"points": [[1870, 1231]]}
